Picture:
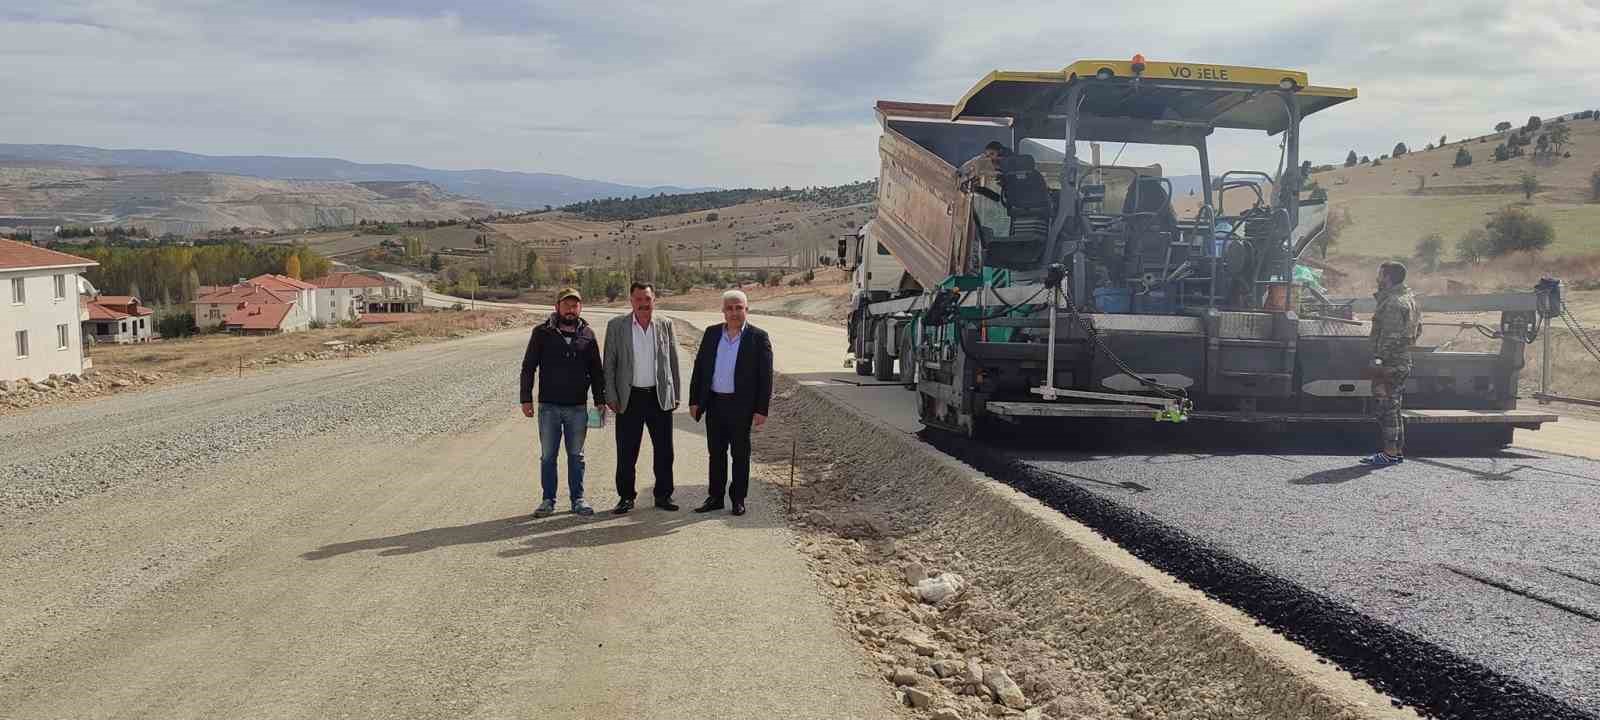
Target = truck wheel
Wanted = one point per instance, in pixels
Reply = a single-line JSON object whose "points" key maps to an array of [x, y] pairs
{"points": [[882, 364], [908, 357]]}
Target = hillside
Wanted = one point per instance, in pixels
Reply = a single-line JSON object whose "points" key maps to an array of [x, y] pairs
{"points": [[190, 203], [1395, 204], [503, 189], [754, 234]]}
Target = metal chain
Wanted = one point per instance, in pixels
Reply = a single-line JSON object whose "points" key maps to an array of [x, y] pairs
{"points": [[1582, 334]]}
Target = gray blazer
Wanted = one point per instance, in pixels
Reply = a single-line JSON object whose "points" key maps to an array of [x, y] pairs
{"points": [[619, 361]]}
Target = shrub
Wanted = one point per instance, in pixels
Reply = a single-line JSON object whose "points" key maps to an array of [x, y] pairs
{"points": [[1502, 126], [1400, 149], [176, 325], [1514, 229], [1473, 246], [1428, 250]]}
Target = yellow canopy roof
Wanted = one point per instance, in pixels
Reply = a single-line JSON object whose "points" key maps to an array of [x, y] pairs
{"points": [[1225, 96]]}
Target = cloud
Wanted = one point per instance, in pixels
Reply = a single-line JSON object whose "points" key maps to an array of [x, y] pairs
{"points": [[701, 93]]}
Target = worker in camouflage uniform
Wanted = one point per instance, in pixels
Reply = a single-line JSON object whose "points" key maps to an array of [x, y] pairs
{"points": [[1396, 323]]}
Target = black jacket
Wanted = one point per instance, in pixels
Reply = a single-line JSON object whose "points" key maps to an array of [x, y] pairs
{"points": [[752, 372], [568, 367]]}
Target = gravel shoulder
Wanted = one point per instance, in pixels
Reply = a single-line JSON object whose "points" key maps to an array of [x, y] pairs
{"points": [[351, 538]]}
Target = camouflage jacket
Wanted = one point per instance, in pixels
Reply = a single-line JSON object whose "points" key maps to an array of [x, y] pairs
{"points": [[1395, 326]]}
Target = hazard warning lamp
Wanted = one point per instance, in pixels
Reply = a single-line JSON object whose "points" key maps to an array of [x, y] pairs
{"points": [[1138, 64]]}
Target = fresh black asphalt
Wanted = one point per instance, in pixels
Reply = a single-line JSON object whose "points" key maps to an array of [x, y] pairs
{"points": [[1465, 586]]}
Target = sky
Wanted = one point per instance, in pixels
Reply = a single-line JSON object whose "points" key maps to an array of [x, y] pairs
{"points": [[698, 93]]}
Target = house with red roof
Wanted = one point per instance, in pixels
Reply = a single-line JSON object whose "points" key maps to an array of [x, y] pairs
{"points": [[118, 319], [341, 296], [251, 308], [41, 312], [370, 293]]}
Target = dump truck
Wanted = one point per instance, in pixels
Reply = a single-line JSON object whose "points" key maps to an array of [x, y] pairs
{"points": [[1054, 286]]}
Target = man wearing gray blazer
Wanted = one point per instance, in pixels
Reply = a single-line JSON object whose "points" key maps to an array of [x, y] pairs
{"points": [[641, 358]]}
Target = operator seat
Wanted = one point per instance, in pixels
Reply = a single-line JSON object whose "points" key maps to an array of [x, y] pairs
{"points": [[1028, 204], [1149, 235]]}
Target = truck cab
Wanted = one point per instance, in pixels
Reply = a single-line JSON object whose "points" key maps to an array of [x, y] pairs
{"points": [[875, 275]]}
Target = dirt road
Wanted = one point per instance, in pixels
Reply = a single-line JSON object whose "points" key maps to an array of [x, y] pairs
{"points": [[352, 539]]}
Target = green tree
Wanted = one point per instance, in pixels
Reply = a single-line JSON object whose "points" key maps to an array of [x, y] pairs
{"points": [[1441, 140], [1473, 246], [1502, 126], [1534, 123], [434, 263], [1594, 186], [1559, 136], [1514, 229], [1400, 149], [1463, 158], [1428, 250], [1350, 160], [1529, 185]]}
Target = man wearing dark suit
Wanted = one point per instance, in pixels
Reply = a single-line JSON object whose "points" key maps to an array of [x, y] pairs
{"points": [[731, 387]]}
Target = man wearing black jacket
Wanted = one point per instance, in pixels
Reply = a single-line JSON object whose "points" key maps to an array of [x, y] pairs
{"points": [[566, 350], [732, 387]]}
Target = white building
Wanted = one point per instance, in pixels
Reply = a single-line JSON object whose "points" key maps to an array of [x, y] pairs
{"points": [[347, 292], [41, 312], [118, 319]]}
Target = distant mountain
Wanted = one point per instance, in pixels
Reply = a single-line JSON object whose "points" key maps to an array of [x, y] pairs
{"points": [[509, 190]]}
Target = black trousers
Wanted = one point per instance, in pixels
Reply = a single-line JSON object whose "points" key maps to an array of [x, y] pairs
{"points": [[644, 411], [728, 428]]}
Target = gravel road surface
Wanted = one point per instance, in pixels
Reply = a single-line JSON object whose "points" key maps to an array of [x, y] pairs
{"points": [[352, 539]]}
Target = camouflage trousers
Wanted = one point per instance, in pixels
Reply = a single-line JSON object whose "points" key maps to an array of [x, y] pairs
{"points": [[1388, 398]]}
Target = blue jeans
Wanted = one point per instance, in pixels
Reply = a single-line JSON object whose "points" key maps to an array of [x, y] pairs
{"points": [[556, 422]]}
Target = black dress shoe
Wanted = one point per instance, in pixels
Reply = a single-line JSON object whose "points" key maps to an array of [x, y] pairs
{"points": [[667, 505], [738, 508], [708, 506], [622, 508]]}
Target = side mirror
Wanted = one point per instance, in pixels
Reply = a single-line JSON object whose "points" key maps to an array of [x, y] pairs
{"points": [[1092, 193]]}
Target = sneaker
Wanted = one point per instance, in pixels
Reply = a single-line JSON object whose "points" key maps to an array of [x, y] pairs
{"points": [[1381, 459], [546, 509], [581, 507]]}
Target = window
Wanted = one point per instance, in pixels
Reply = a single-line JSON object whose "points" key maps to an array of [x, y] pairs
{"points": [[19, 291], [61, 337], [141, 323], [22, 343], [61, 287], [124, 326]]}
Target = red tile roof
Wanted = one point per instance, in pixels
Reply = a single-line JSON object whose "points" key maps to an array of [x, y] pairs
{"points": [[123, 305], [281, 282], [348, 280], [234, 294], [16, 256], [97, 312], [258, 317]]}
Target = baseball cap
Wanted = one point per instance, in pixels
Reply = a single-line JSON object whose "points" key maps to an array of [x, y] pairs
{"points": [[569, 292]]}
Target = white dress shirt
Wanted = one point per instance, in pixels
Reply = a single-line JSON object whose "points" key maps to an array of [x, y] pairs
{"points": [[644, 353]]}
